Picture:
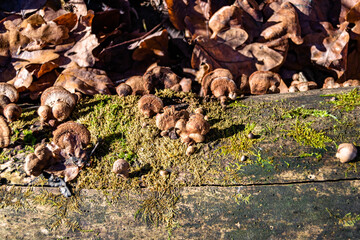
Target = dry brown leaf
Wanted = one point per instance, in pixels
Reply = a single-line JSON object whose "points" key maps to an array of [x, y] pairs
{"points": [[43, 33], [333, 53], [68, 20], [221, 19], [234, 37], [88, 81], [81, 53], [219, 55], [265, 58], [283, 22], [155, 44]]}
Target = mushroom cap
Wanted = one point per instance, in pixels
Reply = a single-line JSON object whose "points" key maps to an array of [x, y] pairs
{"points": [[137, 85], [219, 73], [123, 90], [70, 172], [9, 91], [4, 100], [12, 112], [33, 165], [261, 81], [55, 94], [197, 124], [150, 105], [196, 137], [223, 86], [61, 110], [329, 82], [168, 119], [77, 130], [121, 167], [5, 133], [352, 83], [186, 84], [43, 152], [45, 113], [346, 152], [160, 77]]}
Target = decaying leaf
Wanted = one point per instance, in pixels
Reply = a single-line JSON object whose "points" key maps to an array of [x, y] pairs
{"points": [[283, 22], [155, 44], [266, 59], [222, 18], [333, 52], [219, 55], [88, 81]]}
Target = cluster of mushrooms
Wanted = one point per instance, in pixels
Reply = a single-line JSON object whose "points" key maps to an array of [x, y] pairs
{"points": [[67, 154]]}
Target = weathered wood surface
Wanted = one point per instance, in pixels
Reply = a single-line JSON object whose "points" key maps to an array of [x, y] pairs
{"points": [[289, 197], [289, 211]]}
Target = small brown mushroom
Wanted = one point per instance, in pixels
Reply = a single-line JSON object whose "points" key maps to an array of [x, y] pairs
{"points": [[36, 162], [150, 105], [161, 77], [61, 101], [169, 118], [12, 112], [73, 138], [186, 84], [121, 168], [44, 113], [262, 82], [346, 152], [329, 82], [5, 133], [10, 91], [351, 83], [220, 83], [194, 130], [4, 100]]}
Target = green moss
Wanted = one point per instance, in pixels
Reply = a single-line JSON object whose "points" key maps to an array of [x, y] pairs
{"points": [[239, 144], [347, 101], [302, 112], [302, 133]]}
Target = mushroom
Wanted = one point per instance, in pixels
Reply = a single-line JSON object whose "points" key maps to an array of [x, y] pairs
{"points": [[329, 82], [12, 112], [304, 86], [9, 91], [135, 85], [161, 77], [346, 152], [193, 130], [8, 96], [36, 162], [262, 82], [61, 102], [5, 133], [121, 168], [150, 105], [168, 119], [186, 84], [351, 83], [72, 138], [220, 83]]}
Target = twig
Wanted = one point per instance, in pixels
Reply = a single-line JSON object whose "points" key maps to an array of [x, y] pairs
{"points": [[135, 39]]}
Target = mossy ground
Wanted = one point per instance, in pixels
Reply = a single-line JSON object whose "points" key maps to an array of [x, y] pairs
{"points": [[288, 138]]}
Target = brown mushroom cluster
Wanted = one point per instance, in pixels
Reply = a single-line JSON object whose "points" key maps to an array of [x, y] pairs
{"points": [[65, 156], [57, 104], [156, 77]]}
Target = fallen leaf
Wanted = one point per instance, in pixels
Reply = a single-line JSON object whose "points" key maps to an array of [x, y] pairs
{"points": [[88, 81], [220, 55], [333, 52], [283, 22], [81, 53], [155, 44]]}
